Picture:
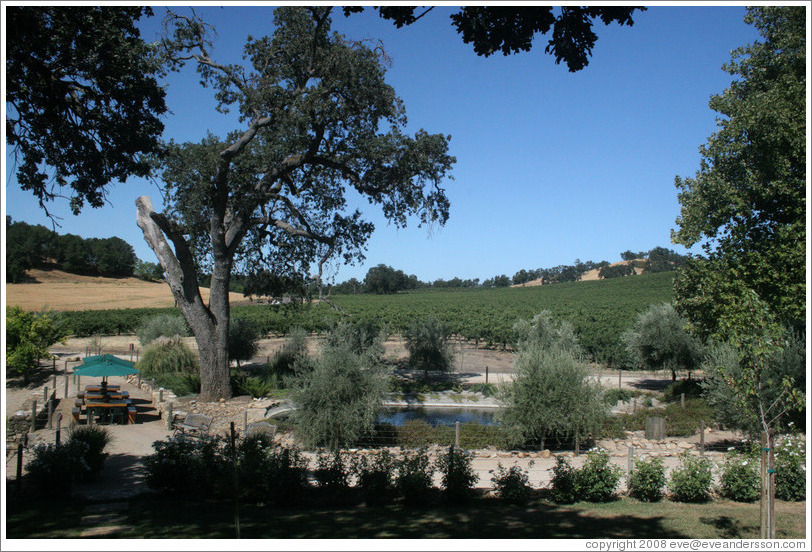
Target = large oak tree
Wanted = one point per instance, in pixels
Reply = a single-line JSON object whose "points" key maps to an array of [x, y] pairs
{"points": [[317, 120]]}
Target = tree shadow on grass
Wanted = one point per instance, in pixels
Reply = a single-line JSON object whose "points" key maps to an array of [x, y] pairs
{"points": [[483, 518], [727, 527]]}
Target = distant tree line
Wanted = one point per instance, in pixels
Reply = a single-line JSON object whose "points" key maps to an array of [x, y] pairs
{"points": [[35, 246], [383, 279]]}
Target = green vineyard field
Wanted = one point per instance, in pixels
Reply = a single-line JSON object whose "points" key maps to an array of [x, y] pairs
{"points": [[600, 311]]}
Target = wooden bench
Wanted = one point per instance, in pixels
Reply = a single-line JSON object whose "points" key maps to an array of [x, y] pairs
{"points": [[132, 412], [195, 423]]}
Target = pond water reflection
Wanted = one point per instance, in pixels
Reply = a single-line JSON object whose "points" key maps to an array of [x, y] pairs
{"points": [[436, 416]]}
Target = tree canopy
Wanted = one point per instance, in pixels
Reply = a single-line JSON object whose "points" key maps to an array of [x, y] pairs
{"points": [[747, 202], [316, 118], [83, 104], [511, 29]]}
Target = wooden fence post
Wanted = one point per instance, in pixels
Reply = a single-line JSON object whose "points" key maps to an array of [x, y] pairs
{"points": [[245, 420], [619, 378], [682, 400], [45, 394], [486, 374], [67, 383], [702, 437], [169, 416], [58, 428], [630, 465], [50, 414], [34, 416], [19, 466], [577, 445], [457, 435]]}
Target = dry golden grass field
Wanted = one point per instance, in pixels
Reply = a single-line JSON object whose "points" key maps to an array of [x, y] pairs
{"points": [[57, 290]]}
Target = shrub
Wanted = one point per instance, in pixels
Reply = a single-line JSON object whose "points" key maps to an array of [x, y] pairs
{"points": [[414, 475], [614, 396], [161, 325], [172, 356], [512, 485], [253, 463], [54, 469], [286, 475], [180, 383], [647, 480], [458, 477], [691, 387], [332, 472], [375, 475], [691, 481], [564, 482], [257, 387], [790, 469], [740, 480], [96, 440], [597, 479], [188, 466], [487, 389]]}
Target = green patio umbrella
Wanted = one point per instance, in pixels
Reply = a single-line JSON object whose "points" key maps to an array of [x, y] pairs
{"points": [[104, 366]]}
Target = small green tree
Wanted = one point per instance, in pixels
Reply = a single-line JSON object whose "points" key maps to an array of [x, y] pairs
{"points": [[243, 338], [28, 337], [552, 393], [659, 340], [161, 325], [337, 396], [427, 343]]}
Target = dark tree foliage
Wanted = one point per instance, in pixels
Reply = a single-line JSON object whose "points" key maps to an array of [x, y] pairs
{"points": [[82, 101], [746, 204], [264, 283], [617, 271], [383, 279], [511, 29], [27, 247]]}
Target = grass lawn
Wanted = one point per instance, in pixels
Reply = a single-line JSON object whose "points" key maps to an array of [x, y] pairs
{"points": [[481, 518]]}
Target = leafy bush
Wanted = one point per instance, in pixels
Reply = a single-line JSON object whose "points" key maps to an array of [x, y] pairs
{"points": [[790, 469], [740, 480], [512, 485], [282, 363], [286, 475], [180, 383], [53, 469], [458, 477], [162, 325], [332, 472], [96, 440], [647, 480], [487, 389], [414, 475], [172, 356], [597, 479], [257, 387], [375, 475], [691, 481], [691, 387], [185, 466], [613, 396], [363, 336], [564, 482]]}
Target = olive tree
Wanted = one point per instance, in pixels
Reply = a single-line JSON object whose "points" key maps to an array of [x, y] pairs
{"points": [[317, 119], [659, 340], [552, 393], [337, 395]]}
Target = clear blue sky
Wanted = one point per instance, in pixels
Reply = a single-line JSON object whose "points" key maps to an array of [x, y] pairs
{"points": [[551, 165]]}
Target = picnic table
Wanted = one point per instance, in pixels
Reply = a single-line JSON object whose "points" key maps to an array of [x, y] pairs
{"points": [[107, 411]]}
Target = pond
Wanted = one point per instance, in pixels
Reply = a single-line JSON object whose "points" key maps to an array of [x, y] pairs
{"points": [[437, 415]]}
